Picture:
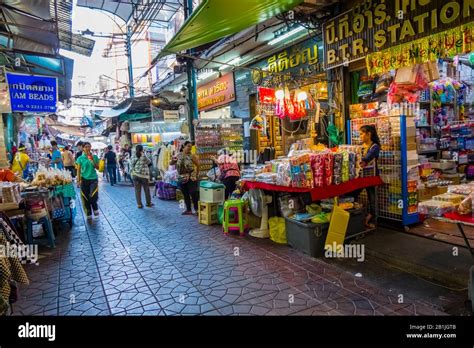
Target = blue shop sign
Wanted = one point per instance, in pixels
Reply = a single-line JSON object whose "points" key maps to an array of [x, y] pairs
{"points": [[33, 93]]}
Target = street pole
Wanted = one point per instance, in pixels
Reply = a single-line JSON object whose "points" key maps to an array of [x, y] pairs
{"points": [[192, 79], [128, 43]]}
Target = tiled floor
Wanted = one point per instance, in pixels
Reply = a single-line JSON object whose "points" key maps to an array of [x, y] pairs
{"points": [[157, 262]]}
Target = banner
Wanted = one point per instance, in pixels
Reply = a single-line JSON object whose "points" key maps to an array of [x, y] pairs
{"points": [[442, 45], [376, 25], [5, 105], [29, 93]]}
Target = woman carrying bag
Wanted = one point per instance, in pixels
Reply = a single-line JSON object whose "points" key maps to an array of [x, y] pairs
{"points": [[88, 180], [140, 165], [187, 166]]}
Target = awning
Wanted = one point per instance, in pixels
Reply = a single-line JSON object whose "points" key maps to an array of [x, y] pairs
{"points": [[215, 19], [134, 117]]}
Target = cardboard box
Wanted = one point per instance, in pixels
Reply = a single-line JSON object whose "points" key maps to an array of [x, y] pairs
{"points": [[427, 193], [455, 178], [442, 190]]}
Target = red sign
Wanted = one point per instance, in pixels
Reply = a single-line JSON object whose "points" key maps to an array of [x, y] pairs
{"points": [[216, 93]]}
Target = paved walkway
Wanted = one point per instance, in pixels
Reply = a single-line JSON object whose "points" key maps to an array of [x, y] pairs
{"points": [[157, 262]]}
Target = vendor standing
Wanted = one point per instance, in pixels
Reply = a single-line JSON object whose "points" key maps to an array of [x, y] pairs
{"points": [[229, 169], [56, 157], [370, 156], [21, 162]]}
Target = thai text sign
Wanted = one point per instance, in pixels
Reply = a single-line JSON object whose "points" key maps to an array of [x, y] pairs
{"points": [[33, 93], [216, 93], [295, 62], [375, 25], [446, 44]]}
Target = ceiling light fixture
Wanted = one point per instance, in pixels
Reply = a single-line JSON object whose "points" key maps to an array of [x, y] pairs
{"points": [[287, 35]]}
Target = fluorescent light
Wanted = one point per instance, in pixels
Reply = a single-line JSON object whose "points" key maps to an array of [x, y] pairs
{"points": [[232, 62], [287, 35], [206, 75]]}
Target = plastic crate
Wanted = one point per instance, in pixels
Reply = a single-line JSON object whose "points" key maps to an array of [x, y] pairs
{"points": [[210, 192], [208, 213]]}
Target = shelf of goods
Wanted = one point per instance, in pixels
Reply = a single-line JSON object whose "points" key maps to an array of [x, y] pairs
{"points": [[398, 198], [272, 137], [211, 139]]}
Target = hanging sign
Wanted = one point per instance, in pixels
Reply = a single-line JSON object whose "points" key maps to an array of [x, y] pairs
{"points": [[5, 105], [216, 93], [376, 25], [30, 93], [442, 45], [171, 115], [295, 62]]}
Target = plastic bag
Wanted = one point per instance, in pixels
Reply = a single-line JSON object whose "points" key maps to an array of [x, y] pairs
{"points": [[101, 166], [277, 230]]}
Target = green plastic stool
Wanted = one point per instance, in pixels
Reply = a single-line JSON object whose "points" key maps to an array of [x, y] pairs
{"points": [[238, 207]]}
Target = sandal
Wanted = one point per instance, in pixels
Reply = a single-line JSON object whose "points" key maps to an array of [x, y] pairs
{"points": [[187, 213], [140, 206]]}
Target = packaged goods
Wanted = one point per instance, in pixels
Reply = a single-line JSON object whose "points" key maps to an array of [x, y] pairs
{"points": [[435, 208], [465, 207], [450, 197]]}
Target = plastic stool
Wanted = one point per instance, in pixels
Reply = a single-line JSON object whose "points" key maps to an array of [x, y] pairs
{"points": [[47, 227], [237, 206]]}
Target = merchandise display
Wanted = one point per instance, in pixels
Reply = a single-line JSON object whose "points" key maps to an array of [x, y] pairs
{"points": [[211, 139], [47, 177]]}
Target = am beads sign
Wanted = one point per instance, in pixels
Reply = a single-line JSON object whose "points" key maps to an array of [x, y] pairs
{"points": [[33, 93]]}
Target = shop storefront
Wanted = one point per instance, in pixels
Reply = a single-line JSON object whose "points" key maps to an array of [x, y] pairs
{"points": [[216, 129], [408, 69]]}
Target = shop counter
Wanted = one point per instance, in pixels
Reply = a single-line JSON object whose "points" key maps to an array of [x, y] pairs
{"points": [[319, 193]]}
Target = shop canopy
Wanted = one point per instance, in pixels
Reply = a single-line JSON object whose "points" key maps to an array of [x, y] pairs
{"points": [[215, 19]]}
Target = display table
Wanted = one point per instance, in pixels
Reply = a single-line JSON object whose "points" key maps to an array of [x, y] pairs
{"points": [[319, 193], [460, 221]]}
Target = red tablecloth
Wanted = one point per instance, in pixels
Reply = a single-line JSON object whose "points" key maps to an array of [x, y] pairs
{"points": [[455, 217], [321, 192]]}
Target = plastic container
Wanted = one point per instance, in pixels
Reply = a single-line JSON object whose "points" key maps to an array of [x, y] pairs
{"points": [[307, 237], [211, 192]]}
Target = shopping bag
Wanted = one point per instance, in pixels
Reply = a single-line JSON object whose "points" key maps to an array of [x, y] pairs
{"points": [[277, 230], [101, 166], [337, 227]]}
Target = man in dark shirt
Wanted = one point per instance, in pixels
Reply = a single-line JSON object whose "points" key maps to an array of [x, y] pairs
{"points": [[111, 165], [79, 149]]}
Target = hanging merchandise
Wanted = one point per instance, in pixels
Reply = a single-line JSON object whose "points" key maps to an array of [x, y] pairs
{"points": [[335, 135], [383, 83], [366, 87], [266, 95], [289, 107], [280, 103], [257, 123], [299, 104]]}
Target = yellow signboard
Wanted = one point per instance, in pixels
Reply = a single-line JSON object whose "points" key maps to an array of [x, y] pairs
{"points": [[376, 25]]}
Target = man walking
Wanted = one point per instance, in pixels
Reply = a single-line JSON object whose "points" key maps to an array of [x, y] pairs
{"points": [[111, 165], [56, 158]]}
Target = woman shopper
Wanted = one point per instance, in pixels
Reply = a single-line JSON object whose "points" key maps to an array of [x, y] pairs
{"points": [[140, 165], [187, 166], [68, 161], [229, 169], [370, 156], [88, 180]]}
